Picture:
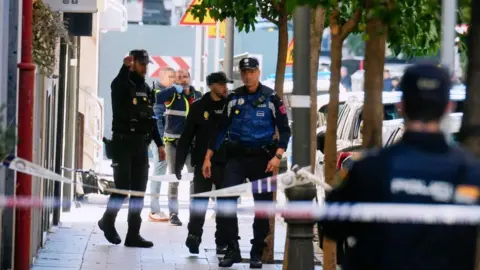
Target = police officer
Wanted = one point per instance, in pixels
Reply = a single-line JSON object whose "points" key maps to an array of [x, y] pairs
{"points": [[202, 121], [421, 168], [252, 113], [178, 100], [133, 128]]}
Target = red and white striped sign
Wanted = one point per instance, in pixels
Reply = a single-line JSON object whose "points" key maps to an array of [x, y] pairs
{"points": [[175, 62]]}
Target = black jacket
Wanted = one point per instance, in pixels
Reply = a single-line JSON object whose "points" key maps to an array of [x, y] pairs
{"points": [[201, 123], [122, 102], [422, 168]]}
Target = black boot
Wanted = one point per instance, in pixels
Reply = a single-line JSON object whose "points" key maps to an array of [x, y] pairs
{"points": [[221, 249], [193, 243], [232, 255], [256, 256], [107, 225], [133, 238]]}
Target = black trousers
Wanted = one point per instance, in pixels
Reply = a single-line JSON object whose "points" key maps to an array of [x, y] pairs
{"points": [[198, 206], [239, 168], [130, 172]]}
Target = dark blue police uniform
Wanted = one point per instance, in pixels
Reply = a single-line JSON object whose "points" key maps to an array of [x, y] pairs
{"points": [[422, 168], [251, 119]]}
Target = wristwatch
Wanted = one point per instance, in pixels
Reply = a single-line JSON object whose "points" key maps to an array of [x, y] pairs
{"points": [[278, 156]]}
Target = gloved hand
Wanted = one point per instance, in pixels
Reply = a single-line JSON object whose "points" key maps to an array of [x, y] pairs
{"points": [[179, 88], [178, 174]]}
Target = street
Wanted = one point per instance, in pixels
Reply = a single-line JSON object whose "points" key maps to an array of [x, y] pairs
{"points": [[78, 243]]}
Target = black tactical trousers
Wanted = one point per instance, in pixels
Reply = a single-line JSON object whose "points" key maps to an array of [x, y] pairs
{"points": [[239, 168], [198, 206], [130, 172]]}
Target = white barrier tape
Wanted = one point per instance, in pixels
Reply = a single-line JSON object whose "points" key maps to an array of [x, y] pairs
{"points": [[361, 212], [186, 177], [24, 166], [269, 184]]}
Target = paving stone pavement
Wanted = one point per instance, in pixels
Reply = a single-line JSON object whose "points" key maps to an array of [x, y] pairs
{"points": [[78, 243]]}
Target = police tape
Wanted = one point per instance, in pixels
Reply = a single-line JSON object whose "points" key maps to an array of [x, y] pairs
{"points": [[296, 177], [268, 184], [186, 177], [433, 214]]}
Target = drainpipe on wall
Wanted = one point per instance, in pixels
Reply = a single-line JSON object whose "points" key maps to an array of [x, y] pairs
{"points": [[25, 137]]}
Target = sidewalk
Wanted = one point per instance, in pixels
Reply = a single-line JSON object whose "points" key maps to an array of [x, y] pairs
{"points": [[78, 243]]}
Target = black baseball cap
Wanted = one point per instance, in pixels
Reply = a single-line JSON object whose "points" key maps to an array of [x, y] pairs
{"points": [[248, 63], [218, 77], [425, 90], [140, 56]]}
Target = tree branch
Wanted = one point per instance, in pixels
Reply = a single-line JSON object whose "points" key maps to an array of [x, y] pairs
{"points": [[276, 5], [264, 13], [348, 27]]}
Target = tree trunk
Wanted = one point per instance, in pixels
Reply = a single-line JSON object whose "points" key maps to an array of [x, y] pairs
{"points": [[329, 246], [268, 251], [282, 50], [470, 133], [317, 25], [373, 82]]}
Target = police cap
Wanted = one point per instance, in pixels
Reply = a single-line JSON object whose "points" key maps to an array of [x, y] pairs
{"points": [[248, 63], [140, 56], [218, 77], [426, 89]]}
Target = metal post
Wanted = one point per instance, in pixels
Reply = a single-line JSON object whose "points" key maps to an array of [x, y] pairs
{"points": [[205, 58], [60, 99], [25, 136], [70, 119], [228, 51], [300, 232], [449, 21], [216, 63], [197, 72]]}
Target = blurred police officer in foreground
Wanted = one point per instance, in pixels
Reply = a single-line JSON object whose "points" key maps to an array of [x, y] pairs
{"points": [[421, 168], [253, 112], [202, 121], [133, 129]]}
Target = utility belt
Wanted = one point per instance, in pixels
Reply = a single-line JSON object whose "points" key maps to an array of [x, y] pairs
{"points": [[110, 146], [236, 149]]}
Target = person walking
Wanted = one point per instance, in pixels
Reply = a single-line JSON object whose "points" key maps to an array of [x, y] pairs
{"points": [[133, 129], [252, 114], [167, 78], [203, 119], [177, 100]]}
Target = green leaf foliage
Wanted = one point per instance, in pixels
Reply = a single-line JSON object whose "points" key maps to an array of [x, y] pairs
{"points": [[7, 135], [414, 26]]}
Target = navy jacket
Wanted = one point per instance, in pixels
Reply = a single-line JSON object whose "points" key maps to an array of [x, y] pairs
{"points": [[422, 168], [177, 109]]}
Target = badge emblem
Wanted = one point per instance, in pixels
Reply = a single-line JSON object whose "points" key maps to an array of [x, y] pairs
{"points": [[205, 115], [241, 101], [237, 111], [134, 101]]}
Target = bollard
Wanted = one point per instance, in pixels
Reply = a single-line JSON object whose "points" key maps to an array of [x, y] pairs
{"points": [[300, 232]]}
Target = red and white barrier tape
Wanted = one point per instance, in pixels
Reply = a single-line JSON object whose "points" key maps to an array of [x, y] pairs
{"points": [[360, 212]]}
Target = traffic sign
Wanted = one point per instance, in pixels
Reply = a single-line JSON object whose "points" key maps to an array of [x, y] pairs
{"points": [[189, 19], [290, 54], [212, 30]]}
